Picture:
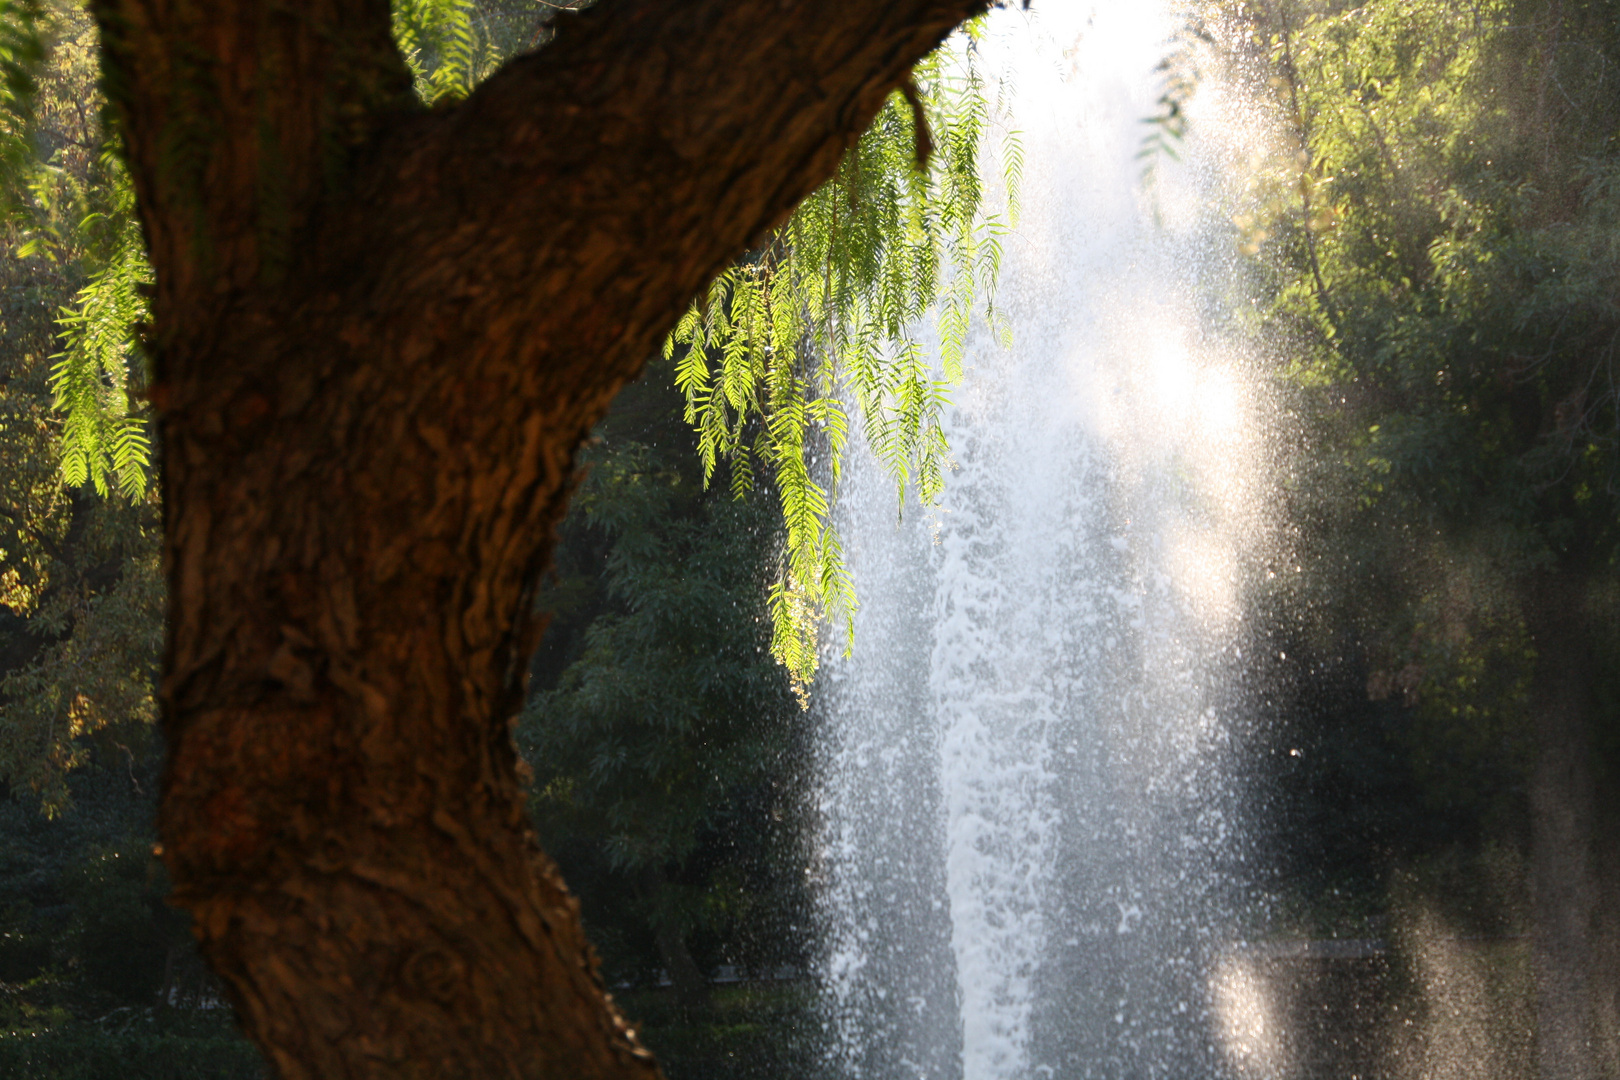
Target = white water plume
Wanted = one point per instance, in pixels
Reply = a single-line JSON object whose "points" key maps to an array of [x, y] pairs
{"points": [[1033, 834]]}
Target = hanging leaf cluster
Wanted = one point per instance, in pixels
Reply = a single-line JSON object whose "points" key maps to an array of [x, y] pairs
{"points": [[70, 209], [104, 441], [822, 327], [825, 328], [453, 45], [81, 591], [442, 44]]}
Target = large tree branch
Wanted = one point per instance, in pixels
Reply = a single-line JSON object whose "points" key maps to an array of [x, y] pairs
{"points": [[380, 334], [646, 146]]}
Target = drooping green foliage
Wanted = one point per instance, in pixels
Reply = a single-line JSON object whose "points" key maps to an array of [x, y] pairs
{"points": [[81, 622], [453, 45], [70, 206], [826, 316], [440, 40], [827, 319], [102, 436], [1166, 127]]}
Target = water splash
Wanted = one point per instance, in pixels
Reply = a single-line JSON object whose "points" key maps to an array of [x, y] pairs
{"points": [[1033, 834]]}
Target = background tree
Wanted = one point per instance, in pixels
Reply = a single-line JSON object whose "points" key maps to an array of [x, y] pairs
{"points": [[665, 733], [98, 976], [1436, 229], [670, 757]]}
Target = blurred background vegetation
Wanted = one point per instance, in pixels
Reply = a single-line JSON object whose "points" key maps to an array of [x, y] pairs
{"points": [[1432, 228]]}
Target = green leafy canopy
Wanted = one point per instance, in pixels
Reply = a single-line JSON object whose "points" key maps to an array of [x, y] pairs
{"points": [[825, 324], [822, 325], [81, 596], [102, 437], [76, 216], [827, 316]]}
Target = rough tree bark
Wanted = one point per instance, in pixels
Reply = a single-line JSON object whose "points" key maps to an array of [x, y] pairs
{"points": [[379, 334]]}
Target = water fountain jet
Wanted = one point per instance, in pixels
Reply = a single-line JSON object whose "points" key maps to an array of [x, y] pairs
{"points": [[1034, 832]]}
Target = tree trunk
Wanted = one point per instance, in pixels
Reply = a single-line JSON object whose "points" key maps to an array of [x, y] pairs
{"points": [[686, 978], [1571, 979], [379, 335], [691, 988]]}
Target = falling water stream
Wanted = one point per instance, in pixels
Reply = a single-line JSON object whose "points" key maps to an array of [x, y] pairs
{"points": [[1034, 829]]}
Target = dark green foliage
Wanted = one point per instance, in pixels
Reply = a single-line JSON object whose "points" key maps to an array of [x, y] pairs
{"points": [[120, 932], [1434, 236], [81, 893], [144, 1049], [668, 750], [99, 979], [1368, 804], [752, 1031], [1440, 238]]}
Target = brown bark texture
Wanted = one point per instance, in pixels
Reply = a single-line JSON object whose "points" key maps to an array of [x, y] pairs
{"points": [[379, 335]]}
